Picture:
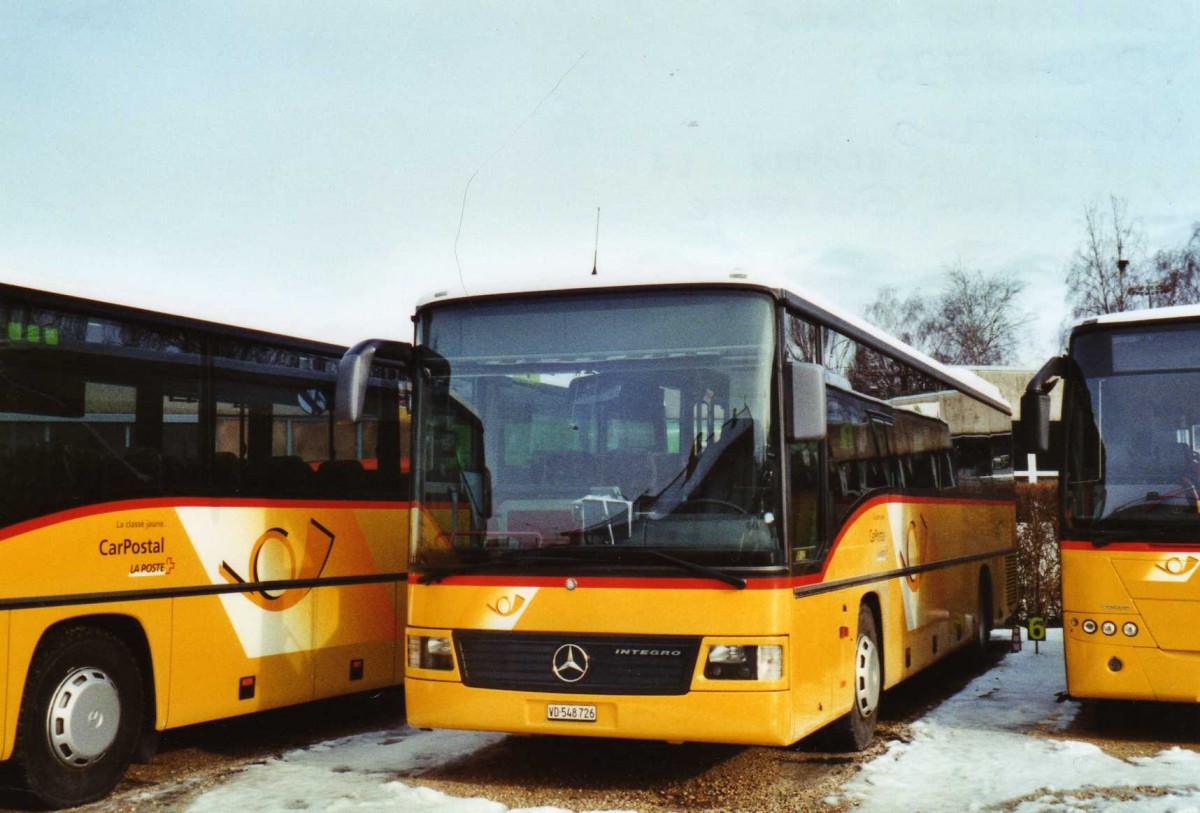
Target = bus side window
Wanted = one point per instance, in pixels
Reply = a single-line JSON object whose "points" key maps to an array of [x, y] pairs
{"points": [[275, 433], [844, 459], [863, 443], [883, 468], [94, 410]]}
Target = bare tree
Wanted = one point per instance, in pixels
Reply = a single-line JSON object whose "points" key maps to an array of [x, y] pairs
{"points": [[906, 319], [1105, 275], [975, 319], [1177, 273]]}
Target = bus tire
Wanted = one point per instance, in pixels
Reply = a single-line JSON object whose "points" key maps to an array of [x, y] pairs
{"points": [[854, 731], [81, 716]]}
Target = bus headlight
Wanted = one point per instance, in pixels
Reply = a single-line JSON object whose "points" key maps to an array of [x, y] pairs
{"points": [[430, 652], [722, 653], [729, 662], [739, 662]]}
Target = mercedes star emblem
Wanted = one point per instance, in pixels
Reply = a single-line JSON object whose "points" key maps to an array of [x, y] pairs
{"points": [[570, 663]]}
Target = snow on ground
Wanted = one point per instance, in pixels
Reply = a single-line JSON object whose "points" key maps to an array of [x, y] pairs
{"points": [[975, 752], [355, 774], [978, 751]]}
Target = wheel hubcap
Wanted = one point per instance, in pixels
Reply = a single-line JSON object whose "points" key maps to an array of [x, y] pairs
{"points": [[867, 677], [85, 712]]}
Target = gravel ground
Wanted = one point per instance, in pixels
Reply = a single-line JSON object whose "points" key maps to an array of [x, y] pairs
{"points": [[592, 774], [597, 774], [1127, 729], [193, 759]]}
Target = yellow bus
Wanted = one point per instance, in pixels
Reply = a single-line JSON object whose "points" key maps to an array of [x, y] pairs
{"points": [[1130, 502], [712, 510], [187, 534]]}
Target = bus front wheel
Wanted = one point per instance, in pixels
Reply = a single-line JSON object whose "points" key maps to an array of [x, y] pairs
{"points": [[855, 731], [81, 715]]}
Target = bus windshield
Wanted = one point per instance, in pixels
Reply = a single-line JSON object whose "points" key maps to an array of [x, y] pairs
{"points": [[1133, 432], [617, 428]]}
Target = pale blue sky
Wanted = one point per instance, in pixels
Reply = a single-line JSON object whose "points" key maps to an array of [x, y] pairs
{"points": [[301, 166]]}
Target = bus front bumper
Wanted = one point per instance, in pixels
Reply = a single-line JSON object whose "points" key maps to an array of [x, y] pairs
{"points": [[1104, 669], [741, 717]]}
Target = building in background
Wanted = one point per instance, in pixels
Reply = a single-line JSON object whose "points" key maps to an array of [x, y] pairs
{"points": [[986, 444]]}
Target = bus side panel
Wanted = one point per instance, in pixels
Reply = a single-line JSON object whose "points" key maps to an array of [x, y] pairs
{"points": [[104, 551], [355, 638], [358, 626], [295, 643], [820, 661], [930, 607], [220, 670], [25, 629]]}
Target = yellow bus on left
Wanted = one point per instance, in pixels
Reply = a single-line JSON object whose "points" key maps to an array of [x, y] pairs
{"points": [[186, 532]]}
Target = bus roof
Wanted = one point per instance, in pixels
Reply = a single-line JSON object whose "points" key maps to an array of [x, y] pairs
{"points": [[103, 308], [1145, 315], [809, 304]]}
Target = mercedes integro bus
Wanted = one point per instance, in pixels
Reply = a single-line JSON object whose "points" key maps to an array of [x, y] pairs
{"points": [[1130, 502], [710, 511]]}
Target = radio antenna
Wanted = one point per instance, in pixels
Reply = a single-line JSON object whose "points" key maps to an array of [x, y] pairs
{"points": [[596, 250], [462, 214]]}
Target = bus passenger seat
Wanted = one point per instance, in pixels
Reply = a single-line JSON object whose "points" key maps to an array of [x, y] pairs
{"points": [[284, 476], [226, 473], [341, 476]]}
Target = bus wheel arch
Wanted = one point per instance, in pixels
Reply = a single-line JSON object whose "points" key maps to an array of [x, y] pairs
{"points": [[83, 710], [855, 730]]}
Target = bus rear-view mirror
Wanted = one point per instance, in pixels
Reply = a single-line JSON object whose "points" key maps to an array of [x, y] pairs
{"points": [[354, 370], [807, 414], [1035, 404], [1035, 420]]}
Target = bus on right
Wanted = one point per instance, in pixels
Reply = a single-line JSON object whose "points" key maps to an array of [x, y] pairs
{"points": [[1129, 500]]}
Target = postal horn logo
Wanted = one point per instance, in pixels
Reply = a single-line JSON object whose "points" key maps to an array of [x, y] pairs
{"points": [[1178, 566], [915, 551], [570, 663], [506, 606], [276, 559]]}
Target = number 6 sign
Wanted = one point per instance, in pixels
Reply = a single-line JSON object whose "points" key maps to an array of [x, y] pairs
{"points": [[1037, 631]]}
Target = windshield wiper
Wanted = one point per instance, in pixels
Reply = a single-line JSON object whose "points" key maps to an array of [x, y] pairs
{"points": [[1107, 536], [509, 558], [437, 574], [1186, 495], [696, 567]]}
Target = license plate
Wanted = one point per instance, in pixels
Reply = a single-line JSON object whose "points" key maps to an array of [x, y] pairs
{"points": [[571, 712]]}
